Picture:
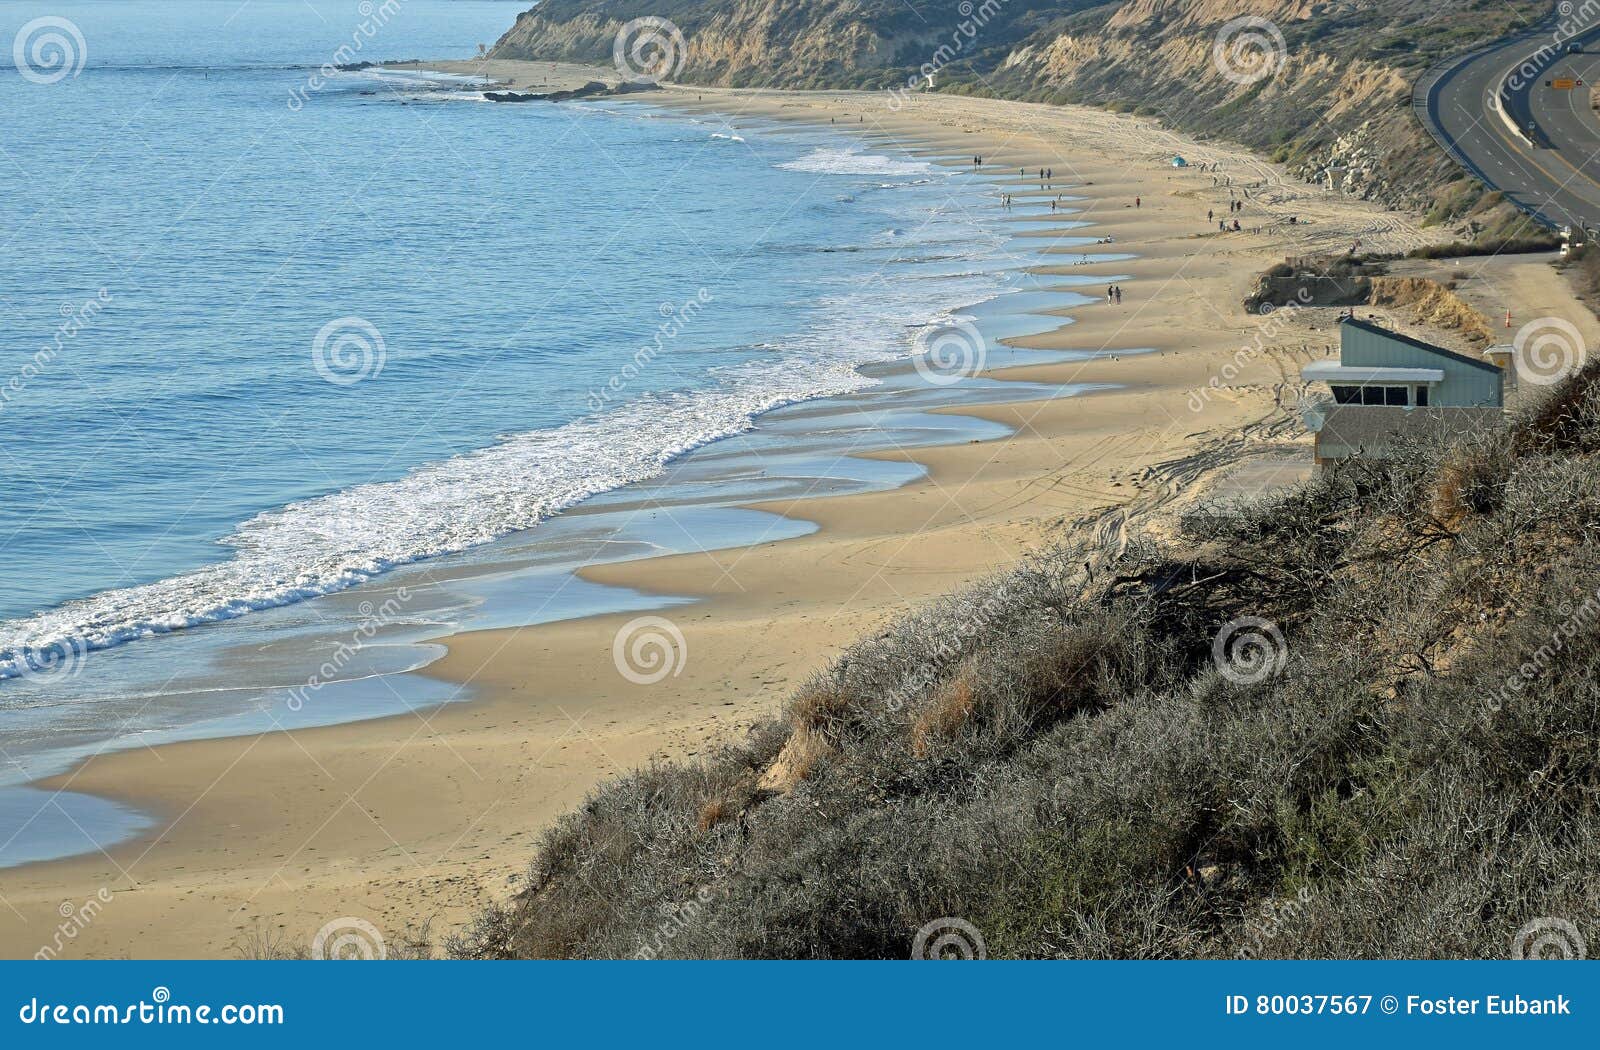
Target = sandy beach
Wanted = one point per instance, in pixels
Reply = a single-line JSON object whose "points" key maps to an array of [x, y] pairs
{"points": [[423, 818]]}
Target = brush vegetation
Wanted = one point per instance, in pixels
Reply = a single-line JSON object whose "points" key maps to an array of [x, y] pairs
{"points": [[1405, 763]]}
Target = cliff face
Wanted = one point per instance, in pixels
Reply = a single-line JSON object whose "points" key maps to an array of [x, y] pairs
{"points": [[775, 43], [1288, 84], [1318, 83]]}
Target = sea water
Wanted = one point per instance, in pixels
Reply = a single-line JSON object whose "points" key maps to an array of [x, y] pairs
{"points": [[274, 334]]}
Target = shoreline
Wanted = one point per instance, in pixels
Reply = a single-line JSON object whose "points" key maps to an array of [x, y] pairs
{"points": [[769, 613]]}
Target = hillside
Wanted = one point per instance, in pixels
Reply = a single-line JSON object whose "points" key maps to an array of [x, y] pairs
{"points": [[1259, 739], [1336, 89]]}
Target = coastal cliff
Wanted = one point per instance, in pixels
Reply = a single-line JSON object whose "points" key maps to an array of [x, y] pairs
{"points": [[1319, 84]]}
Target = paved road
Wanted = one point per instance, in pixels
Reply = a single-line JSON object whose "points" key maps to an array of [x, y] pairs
{"points": [[1550, 165]]}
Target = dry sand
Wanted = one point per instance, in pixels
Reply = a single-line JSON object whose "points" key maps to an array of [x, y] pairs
{"points": [[426, 817]]}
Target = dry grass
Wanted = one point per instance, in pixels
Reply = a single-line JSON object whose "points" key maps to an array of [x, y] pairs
{"points": [[951, 709], [801, 752], [713, 813]]}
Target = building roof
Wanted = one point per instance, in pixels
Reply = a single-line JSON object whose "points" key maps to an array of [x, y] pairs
{"points": [[1379, 330], [1332, 372]]}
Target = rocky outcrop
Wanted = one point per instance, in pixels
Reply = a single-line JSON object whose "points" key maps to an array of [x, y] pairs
{"points": [[593, 89]]}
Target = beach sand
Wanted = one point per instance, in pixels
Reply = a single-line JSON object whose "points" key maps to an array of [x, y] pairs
{"points": [[426, 817]]}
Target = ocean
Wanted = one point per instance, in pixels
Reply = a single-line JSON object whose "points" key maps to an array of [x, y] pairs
{"points": [[293, 358]]}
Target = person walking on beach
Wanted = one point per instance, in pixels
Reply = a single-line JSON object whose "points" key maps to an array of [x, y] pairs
{"points": [[1138, 202], [1111, 294], [1119, 295], [1211, 215]]}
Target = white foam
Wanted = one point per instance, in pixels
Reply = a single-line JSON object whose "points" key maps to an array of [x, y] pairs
{"points": [[854, 161], [332, 542]]}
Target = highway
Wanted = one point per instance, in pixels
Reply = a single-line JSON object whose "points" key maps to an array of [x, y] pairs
{"points": [[1536, 143]]}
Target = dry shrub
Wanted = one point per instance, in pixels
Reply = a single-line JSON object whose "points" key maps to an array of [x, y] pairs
{"points": [[1066, 673], [1468, 484], [1564, 419], [822, 705]]}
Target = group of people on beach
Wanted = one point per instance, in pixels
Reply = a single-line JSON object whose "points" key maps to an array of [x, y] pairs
{"points": [[1045, 175], [1114, 295], [1223, 224], [1055, 203]]}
